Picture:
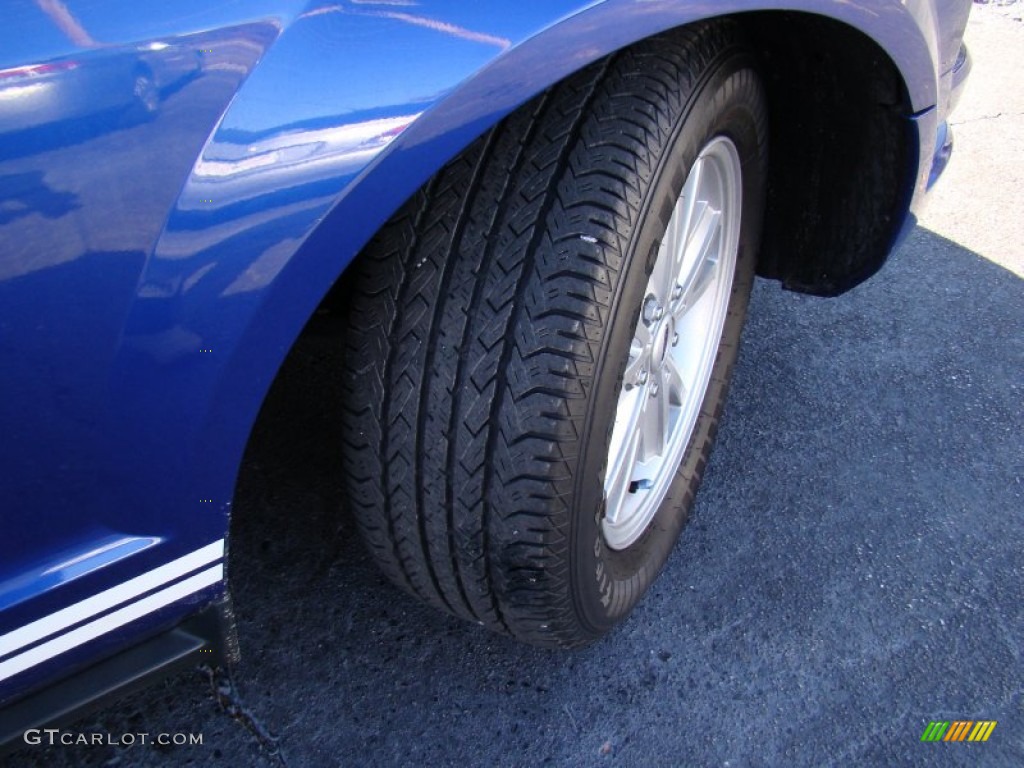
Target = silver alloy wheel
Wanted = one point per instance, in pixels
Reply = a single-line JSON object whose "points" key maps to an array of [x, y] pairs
{"points": [[673, 350]]}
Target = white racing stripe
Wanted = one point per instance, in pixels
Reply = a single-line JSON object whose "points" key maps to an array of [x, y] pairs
{"points": [[110, 622], [64, 618]]}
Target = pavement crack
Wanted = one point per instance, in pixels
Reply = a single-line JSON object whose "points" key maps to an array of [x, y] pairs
{"points": [[987, 117], [230, 702]]}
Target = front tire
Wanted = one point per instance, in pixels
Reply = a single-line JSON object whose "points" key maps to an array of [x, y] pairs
{"points": [[493, 337]]}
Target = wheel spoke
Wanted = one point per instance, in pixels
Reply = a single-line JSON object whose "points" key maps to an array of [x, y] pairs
{"points": [[689, 199], [665, 417], [673, 381], [662, 276], [621, 474], [654, 425], [703, 243], [679, 230]]}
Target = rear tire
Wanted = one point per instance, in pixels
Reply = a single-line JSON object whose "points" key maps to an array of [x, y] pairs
{"points": [[490, 328]]}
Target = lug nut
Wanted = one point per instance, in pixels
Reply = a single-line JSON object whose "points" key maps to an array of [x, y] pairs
{"points": [[677, 291], [652, 311], [641, 377]]}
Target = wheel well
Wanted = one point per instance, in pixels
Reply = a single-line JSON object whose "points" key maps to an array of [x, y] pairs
{"points": [[841, 157], [840, 170]]}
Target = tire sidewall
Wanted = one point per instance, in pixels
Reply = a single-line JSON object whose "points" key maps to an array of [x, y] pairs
{"points": [[607, 583]]}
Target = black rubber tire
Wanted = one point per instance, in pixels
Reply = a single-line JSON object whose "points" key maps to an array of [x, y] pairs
{"points": [[487, 340]]}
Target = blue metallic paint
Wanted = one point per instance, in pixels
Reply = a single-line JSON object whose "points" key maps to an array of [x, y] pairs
{"points": [[157, 262]]}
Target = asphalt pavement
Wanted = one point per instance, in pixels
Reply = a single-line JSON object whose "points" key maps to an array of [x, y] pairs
{"points": [[854, 567]]}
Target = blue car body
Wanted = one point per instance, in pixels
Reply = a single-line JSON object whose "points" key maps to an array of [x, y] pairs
{"points": [[182, 183]]}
